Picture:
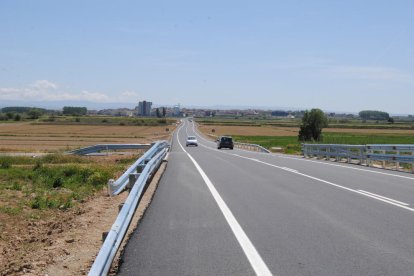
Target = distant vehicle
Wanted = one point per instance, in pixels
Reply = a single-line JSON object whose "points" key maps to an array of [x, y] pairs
{"points": [[225, 142], [191, 141]]}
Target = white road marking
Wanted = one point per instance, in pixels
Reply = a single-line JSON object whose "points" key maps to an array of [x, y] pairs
{"points": [[393, 202], [318, 162], [386, 198], [342, 166], [250, 251]]}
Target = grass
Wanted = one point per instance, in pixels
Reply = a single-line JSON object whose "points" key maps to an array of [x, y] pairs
{"points": [[53, 181], [290, 144]]}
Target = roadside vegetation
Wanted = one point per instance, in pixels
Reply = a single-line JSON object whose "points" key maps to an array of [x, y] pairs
{"points": [[29, 185]]}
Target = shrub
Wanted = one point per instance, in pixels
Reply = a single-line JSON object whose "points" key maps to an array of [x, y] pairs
{"points": [[5, 163]]}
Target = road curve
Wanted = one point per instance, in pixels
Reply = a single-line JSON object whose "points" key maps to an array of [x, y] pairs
{"points": [[234, 212]]}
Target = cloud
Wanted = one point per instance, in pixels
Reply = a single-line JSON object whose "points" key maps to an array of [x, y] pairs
{"points": [[44, 84], [44, 90]]}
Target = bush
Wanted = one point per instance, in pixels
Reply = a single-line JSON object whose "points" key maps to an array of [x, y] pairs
{"points": [[58, 182], [5, 163]]}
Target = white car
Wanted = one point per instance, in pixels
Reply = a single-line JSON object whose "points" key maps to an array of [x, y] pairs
{"points": [[191, 141]]}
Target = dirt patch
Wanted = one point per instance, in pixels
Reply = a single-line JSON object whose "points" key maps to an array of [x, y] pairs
{"points": [[64, 242], [64, 239]]}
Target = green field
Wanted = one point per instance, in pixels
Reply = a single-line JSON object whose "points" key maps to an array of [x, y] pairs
{"points": [[290, 144]]}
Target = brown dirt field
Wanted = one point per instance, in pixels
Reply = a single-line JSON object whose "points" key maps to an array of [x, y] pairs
{"points": [[51, 138], [287, 131]]}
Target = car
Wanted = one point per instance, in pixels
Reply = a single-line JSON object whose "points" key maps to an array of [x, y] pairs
{"points": [[191, 141], [225, 142]]}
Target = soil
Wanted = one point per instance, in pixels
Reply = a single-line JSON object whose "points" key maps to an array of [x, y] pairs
{"points": [[64, 242]]}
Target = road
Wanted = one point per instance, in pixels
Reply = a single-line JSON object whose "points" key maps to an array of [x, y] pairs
{"points": [[234, 212]]}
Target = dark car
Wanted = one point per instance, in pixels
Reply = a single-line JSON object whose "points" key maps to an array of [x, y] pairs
{"points": [[225, 142]]}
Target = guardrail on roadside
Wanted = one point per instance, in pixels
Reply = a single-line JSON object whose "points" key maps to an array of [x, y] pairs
{"points": [[118, 230], [364, 154], [102, 147], [251, 147], [245, 146]]}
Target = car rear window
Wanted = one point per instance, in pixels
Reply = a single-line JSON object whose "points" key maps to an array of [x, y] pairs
{"points": [[226, 139]]}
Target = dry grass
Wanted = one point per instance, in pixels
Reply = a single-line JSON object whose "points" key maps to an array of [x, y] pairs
{"points": [[50, 138]]}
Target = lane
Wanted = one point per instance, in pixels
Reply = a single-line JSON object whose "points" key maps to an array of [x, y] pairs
{"points": [[304, 227], [395, 185], [183, 231]]}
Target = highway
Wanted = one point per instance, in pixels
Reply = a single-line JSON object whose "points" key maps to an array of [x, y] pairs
{"points": [[234, 212]]}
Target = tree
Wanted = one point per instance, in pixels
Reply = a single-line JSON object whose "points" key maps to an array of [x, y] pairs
{"points": [[74, 110], [17, 117], [34, 113], [374, 115], [158, 113], [312, 123], [164, 112]]}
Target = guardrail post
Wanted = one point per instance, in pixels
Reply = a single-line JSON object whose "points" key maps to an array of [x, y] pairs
{"points": [[412, 164], [383, 162], [397, 164], [132, 179], [110, 184]]}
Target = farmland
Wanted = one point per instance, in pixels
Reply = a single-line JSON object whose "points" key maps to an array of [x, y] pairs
{"points": [[45, 137], [287, 139], [47, 202]]}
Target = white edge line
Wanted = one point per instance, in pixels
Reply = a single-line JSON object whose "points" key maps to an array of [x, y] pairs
{"points": [[250, 251]]}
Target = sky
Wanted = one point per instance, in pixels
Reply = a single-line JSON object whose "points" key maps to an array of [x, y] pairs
{"points": [[335, 55]]}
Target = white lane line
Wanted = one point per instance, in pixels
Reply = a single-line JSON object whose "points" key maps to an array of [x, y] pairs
{"points": [[335, 185], [342, 166], [250, 251], [386, 198], [380, 198], [289, 169], [318, 162]]}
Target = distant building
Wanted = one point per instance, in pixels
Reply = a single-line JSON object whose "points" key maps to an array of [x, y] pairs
{"points": [[176, 110], [144, 108]]}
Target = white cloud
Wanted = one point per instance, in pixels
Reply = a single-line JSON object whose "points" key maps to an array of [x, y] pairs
{"points": [[44, 90], [43, 84]]}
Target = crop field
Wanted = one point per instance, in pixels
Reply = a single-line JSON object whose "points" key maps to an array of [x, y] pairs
{"points": [[286, 137], [44, 137]]}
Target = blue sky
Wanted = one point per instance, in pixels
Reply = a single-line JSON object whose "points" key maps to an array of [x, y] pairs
{"points": [[335, 55]]}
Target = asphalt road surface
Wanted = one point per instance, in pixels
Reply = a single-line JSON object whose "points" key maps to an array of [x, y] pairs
{"points": [[234, 212]]}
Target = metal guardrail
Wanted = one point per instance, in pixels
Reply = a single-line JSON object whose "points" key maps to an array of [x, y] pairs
{"points": [[118, 230], [102, 147], [365, 154], [246, 146], [252, 147], [116, 187]]}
